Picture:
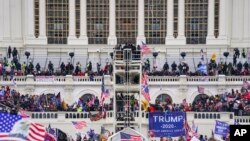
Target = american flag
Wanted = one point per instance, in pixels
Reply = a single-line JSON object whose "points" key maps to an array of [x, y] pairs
{"points": [[201, 90], [52, 131], [19, 128], [245, 84], [128, 137], [105, 92], [194, 130], [23, 114], [79, 124], [144, 88], [145, 49]]}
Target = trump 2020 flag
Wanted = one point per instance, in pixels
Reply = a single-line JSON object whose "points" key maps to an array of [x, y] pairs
{"points": [[221, 128], [128, 137]]}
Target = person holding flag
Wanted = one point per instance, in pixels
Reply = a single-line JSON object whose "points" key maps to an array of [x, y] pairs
{"points": [[144, 87], [144, 49]]}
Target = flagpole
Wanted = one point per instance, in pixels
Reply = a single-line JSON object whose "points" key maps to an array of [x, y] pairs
{"points": [[140, 111]]}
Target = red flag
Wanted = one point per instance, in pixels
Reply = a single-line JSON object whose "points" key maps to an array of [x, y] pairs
{"points": [[145, 49]]}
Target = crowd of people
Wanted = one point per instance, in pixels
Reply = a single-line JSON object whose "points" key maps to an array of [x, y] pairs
{"points": [[211, 68], [14, 101], [11, 66], [228, 102]]}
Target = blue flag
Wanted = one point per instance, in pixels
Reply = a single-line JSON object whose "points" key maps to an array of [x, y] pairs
{"points": [[169, 124], [221, 128]]}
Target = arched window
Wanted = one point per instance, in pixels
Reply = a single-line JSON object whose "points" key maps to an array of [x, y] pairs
{"points": [[98, 21], [176, 18], [163, 99], [155, 21], [196, 20], [126, 21], [85, 97], [201, 97], [57, 21], [36, 17], [78, 13], [216, 21]]}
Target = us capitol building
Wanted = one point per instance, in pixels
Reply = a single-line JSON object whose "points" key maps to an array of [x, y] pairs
{"points": [[51, 29]]}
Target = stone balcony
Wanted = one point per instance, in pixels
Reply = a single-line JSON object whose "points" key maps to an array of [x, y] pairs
{"points": [[178, 88]]}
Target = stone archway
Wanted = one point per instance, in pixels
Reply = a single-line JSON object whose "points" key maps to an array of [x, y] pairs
{"points": [[200, 97], [191, 98], [163, 99], [86, 97]]}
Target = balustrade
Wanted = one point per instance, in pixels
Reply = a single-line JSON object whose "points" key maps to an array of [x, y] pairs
{"points": [[65, 115], [242, 119], [87, 79]]}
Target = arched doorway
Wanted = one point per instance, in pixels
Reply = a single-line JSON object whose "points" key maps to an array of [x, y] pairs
{"points": [[200, 98], [163, 99], [84, 98]]}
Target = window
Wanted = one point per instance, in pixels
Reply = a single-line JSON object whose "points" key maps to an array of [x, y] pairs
{"points": [[126, 21], [78, 18], [216, 21], [163, 99], [155, 21], [36, 14], [57, 19], [196, 18], [98, 21], [176, 18]]}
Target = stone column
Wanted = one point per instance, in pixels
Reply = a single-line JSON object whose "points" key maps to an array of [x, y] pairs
{"points": [[210, 29], [170, 23], [1, 19], [72, 23], [140, 37], [222, 23], [6, 22], [42, 22], [83, 23], [181, 39], [112, 40], [29, 22]]}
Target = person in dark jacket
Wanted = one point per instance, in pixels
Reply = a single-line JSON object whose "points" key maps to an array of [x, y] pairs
{"points": [[62, 66], [38, 67], [9, 52], [166, 67], [174, 66], [51, 68]]}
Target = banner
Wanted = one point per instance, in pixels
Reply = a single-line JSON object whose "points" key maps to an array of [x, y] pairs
{"points": [[169, 124], [45, 78], [221, 128]]}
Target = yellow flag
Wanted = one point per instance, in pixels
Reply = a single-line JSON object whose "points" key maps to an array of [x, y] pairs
{"points": [[145, 104], [213, 57]]}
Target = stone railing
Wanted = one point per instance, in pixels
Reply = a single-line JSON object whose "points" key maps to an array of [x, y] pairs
{"points": [[17, 78], [153, 80], [69, 79], [87, 79], [65, 115], [225, 116], [200, 78], [183, 79], [237, 78], [242, 119], [163, 79]]}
